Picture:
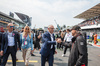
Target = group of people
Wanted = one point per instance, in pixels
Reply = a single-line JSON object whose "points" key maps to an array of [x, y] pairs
{"points": [[11, 41], [78, 47]]}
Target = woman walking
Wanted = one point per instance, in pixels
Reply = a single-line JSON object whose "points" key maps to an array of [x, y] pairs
{"points": [[26, 39], [67, 39]]}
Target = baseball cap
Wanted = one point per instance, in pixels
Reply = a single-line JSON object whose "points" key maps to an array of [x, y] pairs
{"points": [[76, 27]]}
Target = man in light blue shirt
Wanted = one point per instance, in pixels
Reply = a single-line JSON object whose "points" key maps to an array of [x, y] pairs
{"points": [[10, 39], [9, 45]]}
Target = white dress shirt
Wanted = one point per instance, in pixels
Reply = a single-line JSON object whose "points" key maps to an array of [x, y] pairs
{"points": [[51, 35]]}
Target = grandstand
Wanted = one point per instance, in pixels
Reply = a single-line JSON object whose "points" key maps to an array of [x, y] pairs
{"points": [[91, 23], [5, 19]]}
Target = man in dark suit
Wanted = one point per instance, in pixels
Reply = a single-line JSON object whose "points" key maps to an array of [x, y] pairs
{"points": [[9, 45], [48, 46], [0, 44]]}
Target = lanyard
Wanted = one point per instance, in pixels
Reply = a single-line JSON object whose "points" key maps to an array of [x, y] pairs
{"points": [[25, 39]]}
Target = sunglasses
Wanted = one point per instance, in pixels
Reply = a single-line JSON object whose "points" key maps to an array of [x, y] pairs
{"points": [[52, 28], [11, 26], [27, 28]]}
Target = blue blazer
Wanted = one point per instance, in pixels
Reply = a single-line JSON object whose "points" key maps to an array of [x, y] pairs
{"points": [[4, 44], [46, 46]]}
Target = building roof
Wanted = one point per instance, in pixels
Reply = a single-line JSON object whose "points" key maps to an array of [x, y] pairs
{"points": [[90, 13], [5, 15]]}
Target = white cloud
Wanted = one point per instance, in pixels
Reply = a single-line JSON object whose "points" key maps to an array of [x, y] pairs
{"points": [[44, 12]]}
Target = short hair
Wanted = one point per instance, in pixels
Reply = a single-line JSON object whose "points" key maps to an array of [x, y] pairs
{"points": [[76, 27], [10, 23], [22, 27], [50, 26], [68, 30]]}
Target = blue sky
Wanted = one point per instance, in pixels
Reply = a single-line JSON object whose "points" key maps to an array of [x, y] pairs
{"points": [[43, 12]]}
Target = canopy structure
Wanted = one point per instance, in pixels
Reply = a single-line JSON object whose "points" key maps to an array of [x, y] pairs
{"points": [[90, 13]]}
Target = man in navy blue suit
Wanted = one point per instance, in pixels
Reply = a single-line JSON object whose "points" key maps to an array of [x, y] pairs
{"points": [[48, 46], [9, 45]]}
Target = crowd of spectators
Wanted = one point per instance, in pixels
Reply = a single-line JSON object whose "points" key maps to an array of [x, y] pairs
{"points": [[95, 21]]}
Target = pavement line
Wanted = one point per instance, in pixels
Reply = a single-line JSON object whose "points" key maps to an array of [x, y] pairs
{"points": [[23, 61]]}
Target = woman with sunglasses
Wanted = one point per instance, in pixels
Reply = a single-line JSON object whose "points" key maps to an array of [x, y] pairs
{"points": [[26, 39]]}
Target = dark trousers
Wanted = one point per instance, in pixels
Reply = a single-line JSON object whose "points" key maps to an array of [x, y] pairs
{"points": [[49, 58], [58, 46], [12, 51], [0, 60], [61, 45], [37, 45], [0, 57], [66, 47]]}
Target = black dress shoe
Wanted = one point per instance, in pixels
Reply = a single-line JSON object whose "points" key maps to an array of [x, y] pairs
{"points": [[16, 59], [32, 54]]}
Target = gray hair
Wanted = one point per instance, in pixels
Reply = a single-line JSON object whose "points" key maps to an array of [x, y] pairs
{"points": [[50, 26], [10, 24]]}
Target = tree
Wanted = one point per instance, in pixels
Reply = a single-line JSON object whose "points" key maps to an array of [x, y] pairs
{"points": [[64, 26]]}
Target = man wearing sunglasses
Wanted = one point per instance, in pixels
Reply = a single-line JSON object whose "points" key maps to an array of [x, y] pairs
{"points": [[9, 45]]}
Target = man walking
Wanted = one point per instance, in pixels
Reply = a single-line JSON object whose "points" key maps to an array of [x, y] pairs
{"points": [[78, 56], [48, 46], [0, 44], [9, 45]]}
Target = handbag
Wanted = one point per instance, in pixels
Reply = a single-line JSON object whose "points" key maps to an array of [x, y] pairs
{"points": [[69, 44]]}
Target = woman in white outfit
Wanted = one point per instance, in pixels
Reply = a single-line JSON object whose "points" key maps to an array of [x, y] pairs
{"points": [[67, 39]]}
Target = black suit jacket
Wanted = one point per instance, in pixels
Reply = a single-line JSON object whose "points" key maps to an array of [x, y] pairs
{"points": [[0, 39], [4, 44]]}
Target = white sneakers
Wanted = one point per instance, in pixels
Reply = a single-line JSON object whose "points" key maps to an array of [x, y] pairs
{"points": [[63, 55]]}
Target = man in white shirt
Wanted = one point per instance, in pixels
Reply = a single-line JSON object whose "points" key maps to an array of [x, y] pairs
{"points": [[48, 47]]}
